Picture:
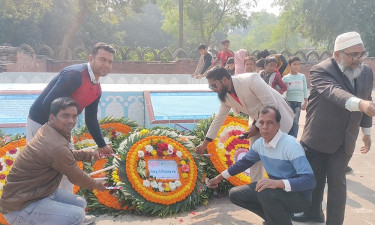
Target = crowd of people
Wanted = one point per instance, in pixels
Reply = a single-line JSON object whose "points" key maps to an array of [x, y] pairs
{"points": [[339, 104]]}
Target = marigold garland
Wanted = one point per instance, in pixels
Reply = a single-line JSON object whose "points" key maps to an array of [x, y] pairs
{"points": [[115, 130], [227, 146], [168, 197], [2, 220], [106, 198], [8, 154], [75, 187], [98, 165]]}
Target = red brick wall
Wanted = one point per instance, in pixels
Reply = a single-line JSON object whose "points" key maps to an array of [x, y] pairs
{"points": [[177, 67], [26, 63]]}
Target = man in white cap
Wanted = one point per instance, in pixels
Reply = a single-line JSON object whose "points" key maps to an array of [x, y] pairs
{"points": [[339, 103]]}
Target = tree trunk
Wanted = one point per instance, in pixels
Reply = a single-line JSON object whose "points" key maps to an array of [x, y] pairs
{"points": [[75, 25], [181, 26]]}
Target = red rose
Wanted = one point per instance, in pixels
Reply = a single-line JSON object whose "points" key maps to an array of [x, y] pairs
{"points": [[2, 177], [185, 168], [13, 151], [9, 162]]}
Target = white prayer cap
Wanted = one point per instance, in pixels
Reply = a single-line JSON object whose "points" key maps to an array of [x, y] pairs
{"points": [[347, 40]]}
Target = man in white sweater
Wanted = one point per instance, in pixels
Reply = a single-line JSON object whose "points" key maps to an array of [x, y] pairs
{"points": [[245, 93]]}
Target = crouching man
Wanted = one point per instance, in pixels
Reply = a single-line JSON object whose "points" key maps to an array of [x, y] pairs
{"points": [[291, 180], [31, 194]]}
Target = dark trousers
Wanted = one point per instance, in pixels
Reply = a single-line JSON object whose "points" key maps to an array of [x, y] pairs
{"points": [[273, 205], [296, 107], [330, 167]]}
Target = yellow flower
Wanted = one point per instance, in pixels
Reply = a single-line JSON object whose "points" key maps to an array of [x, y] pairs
{"points": [[165, 153], [143, 132], [185, 175], [182, 162], [115, 176], [167, 188], [153, 152]]}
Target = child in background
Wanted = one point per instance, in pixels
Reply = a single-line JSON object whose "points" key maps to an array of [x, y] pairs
{"points": [[249, 63], [239, 58], [272, 78], [224, 54], [282, 64], [297, 91], [204, 62], [259, 65], [231, 66]]}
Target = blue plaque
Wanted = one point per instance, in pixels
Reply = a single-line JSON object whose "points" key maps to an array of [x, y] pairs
{"points": [[184, 105], [15, 108]]}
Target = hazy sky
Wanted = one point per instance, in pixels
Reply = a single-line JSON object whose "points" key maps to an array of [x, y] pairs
{"points": [[266, 4]]}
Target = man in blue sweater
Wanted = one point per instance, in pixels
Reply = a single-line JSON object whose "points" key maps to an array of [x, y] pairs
{"points": [[291, 179]]}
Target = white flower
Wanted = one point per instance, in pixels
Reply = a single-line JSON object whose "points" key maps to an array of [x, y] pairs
{"points": [[1, 186], [142, 163], [160, 184], [179, 154], [13, 155], [220, 145], [119, 183], [141, 154], [161, 189], [4, 166], [149, 148], [170, 152], [172, 186], [154, 184], [118, 134], [106, 140], [206, 180], [146, 183], [177, 183], [122, 145], [170, 147]]}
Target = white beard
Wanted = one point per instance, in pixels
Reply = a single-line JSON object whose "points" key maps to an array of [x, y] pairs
{"points": [[348, 71]]}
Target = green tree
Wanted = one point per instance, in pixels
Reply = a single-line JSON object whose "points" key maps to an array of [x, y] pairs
{"points": [[203, 19], [322, 21], [267, 31], [144, 29], [107, 11]]}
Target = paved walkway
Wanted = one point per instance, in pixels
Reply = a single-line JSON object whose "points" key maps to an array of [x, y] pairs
{"points": [[360, 209]]}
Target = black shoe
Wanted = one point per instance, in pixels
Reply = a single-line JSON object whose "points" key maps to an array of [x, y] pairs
{"points": [[348, 170], [302, 217]]}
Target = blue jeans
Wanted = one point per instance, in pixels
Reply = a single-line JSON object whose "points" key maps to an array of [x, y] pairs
{"points": [[296, 107], [59, 208]]}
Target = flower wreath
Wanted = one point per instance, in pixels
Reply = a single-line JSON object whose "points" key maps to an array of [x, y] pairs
{"points": [[8, 154], [227, 148], [111, 199], [177, 191], [111, 128], [75, 187]]}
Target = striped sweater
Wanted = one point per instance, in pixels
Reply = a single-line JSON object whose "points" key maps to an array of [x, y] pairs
{"points": [[283, 159]]}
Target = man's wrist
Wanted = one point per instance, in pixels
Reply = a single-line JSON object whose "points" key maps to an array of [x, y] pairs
{"points": [[225, 174], [353, 104], [208, 139], [366, 130], [286, 185]]}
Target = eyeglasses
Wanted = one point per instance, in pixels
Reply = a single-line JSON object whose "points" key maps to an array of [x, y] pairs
{"points": [[214, 86], [356, 55]]}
